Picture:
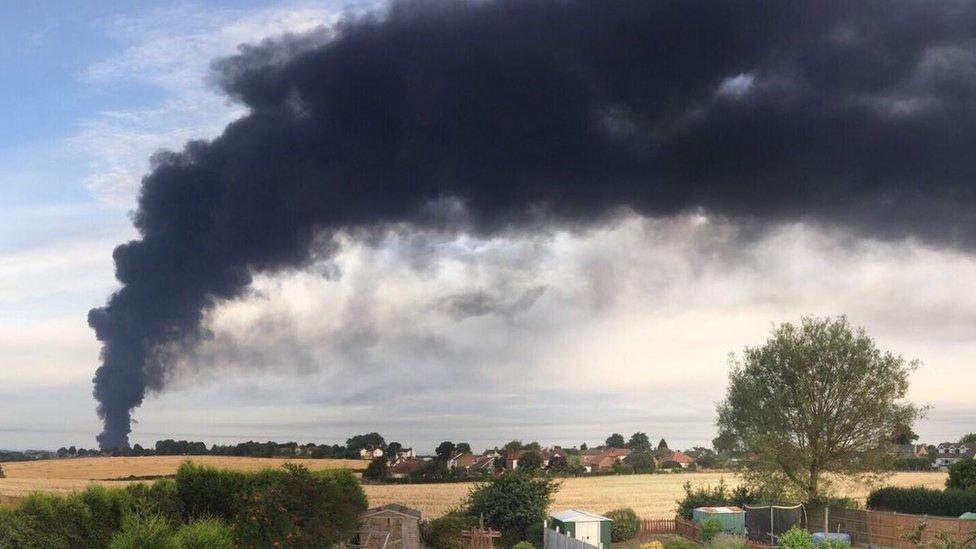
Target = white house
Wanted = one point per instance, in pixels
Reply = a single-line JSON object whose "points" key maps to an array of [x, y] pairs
{"points": [[367, 453], [951, 452]]}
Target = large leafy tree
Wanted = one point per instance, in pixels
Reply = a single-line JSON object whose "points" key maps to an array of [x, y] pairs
{"points": [[445, 449], [816, 400], [639, 442], [369, 441], [968, 439], [513, 503], [615, 440]]}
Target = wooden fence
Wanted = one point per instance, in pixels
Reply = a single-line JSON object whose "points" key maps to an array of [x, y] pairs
{"points": [[676, 525], [887, 529]]}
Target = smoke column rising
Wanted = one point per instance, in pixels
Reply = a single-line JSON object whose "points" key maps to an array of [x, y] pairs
{"points": [[530, 112]]}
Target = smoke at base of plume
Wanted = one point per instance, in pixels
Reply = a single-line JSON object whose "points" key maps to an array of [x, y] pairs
{"points": [[531, 113]]}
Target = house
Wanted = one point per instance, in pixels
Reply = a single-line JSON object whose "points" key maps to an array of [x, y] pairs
{"points": [[951, 452], [590, 528], [405, 468], [513, 456], [603, 459], [483, 465], [680, 458], [406, 453], [391, 525], [460, 460], [370, 453]]}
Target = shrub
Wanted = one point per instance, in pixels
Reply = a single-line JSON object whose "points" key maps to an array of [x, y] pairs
{"points": [[726, 541], [669, 464], [906, 463], [513, 503], [625, 524], [718, 496], [107, 509], [680, 543], [923, 501], [796, 538], [48, 520], [144, 532], [442, 532], [833, 544], [207, 533], [161, 497], [709, 528], [523, 545], [962, 474], [652, 545], [209, 492]]}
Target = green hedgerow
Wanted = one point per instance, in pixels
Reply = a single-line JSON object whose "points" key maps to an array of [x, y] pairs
{"points": [[144, 532], [205, 533]]}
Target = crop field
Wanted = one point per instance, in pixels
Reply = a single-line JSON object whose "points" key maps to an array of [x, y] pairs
{"points": [[64, 475], [649, 495]]}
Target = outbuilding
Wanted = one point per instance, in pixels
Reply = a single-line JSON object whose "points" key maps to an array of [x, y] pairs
{"points": [[400, 522], [733, 519], [587, 527]]}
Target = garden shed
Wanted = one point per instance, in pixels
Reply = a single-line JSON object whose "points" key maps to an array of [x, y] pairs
{"points": [[733, 519], [587, 527], [400, 522]]}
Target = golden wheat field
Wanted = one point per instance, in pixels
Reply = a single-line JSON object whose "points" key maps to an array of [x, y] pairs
{"points": [[649, 495]]}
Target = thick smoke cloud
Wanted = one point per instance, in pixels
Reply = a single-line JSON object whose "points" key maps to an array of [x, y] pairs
{"points": [[516, 114]]}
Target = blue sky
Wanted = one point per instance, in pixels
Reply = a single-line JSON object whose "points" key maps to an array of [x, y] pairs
{"points": [[642, 312]]}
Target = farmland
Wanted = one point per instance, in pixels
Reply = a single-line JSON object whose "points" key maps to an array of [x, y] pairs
{"points": [[649, 495]]}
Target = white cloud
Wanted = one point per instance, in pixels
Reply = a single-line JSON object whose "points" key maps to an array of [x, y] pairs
{"points": [[169, 51]]}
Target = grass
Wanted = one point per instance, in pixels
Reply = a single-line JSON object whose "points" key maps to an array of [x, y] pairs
{"points": [[649, 495]]}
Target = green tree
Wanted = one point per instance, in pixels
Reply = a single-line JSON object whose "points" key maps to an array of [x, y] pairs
{"points": [[724, 442], [463, 448], [642, 462], [662, 445], [615, 440], [392, 449], [445, 449], [369, 441], [515, 503], [816, 399], [962, 474], [376, 468], [511, 446], [639, 442], [968, 439], [903, 434], [583, 447], [531, 461]]}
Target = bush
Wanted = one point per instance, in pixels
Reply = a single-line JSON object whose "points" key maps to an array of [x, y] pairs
{"points": [[726, 541], [652, 545], [962, 474], [49, 521], [923, 501], [709, 528], [796, 538], [833, 544], [680, 543], [161, 497], [906, 463], [442, 532], [625, 524], [514, 503], [523, 545], [669, 464], [149, 532], [208, 533]]}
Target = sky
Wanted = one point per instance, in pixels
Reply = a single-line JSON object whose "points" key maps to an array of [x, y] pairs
{"points": [[562, 335]]}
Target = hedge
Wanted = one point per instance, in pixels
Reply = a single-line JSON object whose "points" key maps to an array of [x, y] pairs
{"points": [[287, 507], [923, 501], [625, 525]]}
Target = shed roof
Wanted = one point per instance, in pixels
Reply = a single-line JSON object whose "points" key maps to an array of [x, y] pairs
{"points": [[728, 509], [575, 515], [394, 507]]}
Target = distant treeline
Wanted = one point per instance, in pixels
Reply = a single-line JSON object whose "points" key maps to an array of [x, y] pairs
{"points": [[170, 447]]}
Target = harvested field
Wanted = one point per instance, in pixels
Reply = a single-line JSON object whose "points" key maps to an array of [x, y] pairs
{"points": [[64, 475], [649, 495]]}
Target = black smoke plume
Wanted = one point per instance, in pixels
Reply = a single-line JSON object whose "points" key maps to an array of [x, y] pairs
{"points": [[855, 114]]}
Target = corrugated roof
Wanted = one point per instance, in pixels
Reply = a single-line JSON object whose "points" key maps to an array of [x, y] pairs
{"points": [[396, 508], [575, 515]]}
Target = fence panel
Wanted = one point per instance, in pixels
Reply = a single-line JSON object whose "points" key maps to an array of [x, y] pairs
{"points": [[887, 529], [686, 528], [552, 539], [657, 526]]}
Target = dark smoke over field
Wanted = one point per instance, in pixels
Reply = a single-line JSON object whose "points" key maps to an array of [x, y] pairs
{"points": [[524, 113]]}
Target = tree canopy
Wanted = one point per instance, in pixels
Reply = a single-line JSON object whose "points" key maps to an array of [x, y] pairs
{"points": [[816, 399], [615, 440], [639, 442], [531, 460], [662, 444], [513, 503], [445, 449], [968, 439], [369, 441]]}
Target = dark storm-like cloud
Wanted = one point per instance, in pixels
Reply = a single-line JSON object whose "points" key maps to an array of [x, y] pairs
{"points": [[527, 113]]}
